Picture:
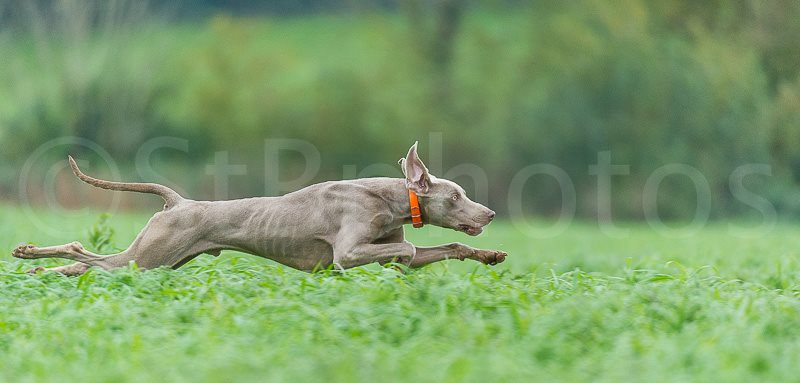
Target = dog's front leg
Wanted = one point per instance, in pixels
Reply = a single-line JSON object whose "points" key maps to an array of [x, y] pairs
{"points": [[427, 255], [346, 257]]}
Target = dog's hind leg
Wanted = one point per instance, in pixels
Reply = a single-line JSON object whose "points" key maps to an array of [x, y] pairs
{"points": [[74, 251], [72, 270]]}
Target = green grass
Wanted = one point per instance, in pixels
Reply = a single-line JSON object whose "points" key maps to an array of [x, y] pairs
{"points": [[580, 306]]}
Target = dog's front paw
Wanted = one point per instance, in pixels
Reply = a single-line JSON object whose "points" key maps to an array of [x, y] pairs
{"points": [[36, 270], [489, 257], [24, 252]]}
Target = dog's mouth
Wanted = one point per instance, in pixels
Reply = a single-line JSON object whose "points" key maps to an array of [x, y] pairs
{"points": [[470, 230]]}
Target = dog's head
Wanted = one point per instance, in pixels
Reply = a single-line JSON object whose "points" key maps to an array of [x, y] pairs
{"points": [[443, 202]]}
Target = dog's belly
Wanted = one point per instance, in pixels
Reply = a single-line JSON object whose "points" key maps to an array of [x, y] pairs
{"points": [[307, 256], [265, 228]]}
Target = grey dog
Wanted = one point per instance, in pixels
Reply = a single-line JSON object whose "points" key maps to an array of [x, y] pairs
{"points": [[340, 223]]}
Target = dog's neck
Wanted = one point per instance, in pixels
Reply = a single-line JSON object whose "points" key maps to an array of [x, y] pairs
{"points": [[395, 194]]}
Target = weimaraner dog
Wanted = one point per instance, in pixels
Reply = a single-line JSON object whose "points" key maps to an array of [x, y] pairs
{"points": [[342, 224]]}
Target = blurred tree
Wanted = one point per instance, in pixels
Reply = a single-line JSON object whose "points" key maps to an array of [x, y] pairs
{"points": [[84, 72], [774, 28], [436, 26]]}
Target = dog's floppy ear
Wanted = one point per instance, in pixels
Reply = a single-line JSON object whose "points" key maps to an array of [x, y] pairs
{"points": [[417, 177]]}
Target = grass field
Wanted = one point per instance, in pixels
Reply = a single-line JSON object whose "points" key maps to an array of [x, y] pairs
{"points": [[578, 307]]}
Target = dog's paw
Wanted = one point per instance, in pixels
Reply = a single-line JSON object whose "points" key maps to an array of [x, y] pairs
{"points": [[24, 252], [490, 257], [36, 270]]}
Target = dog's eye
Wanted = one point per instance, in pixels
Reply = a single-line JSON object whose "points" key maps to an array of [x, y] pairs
{"points": [[456, 197]]}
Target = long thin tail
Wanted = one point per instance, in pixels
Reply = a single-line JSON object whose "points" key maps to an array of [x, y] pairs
{"points": [[171, 197]]}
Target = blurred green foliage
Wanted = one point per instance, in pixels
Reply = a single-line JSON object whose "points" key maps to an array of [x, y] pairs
{"points": [[711, 84]]}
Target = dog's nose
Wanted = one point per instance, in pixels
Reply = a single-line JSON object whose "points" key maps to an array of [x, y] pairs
{"points": [[491, 215]]}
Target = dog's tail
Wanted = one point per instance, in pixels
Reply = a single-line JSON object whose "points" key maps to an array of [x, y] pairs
{"points": [[171, 197]]}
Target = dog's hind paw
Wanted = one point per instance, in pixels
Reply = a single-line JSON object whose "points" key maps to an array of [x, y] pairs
{"points": [[24, 252]]}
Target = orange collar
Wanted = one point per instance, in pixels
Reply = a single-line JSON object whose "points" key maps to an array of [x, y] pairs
{"points": [[416, 213]]}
